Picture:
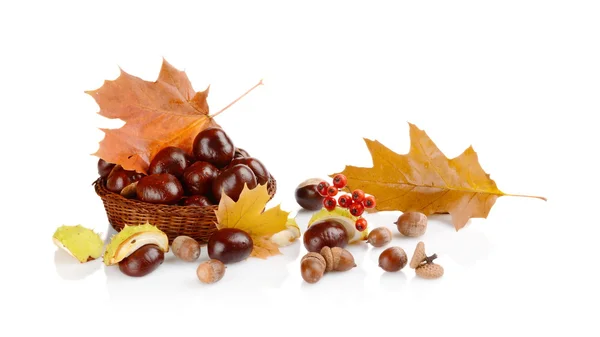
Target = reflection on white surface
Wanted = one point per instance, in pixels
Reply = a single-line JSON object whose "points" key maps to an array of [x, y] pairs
{"points": [[394, 282], [69, 268]]}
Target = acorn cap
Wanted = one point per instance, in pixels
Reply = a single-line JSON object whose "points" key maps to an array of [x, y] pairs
{"points": [[316, 256], [430, 271], [328, 255], [418, 256]]}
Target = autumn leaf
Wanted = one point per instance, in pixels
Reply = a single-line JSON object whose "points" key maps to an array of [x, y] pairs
{"points": [[264, 247], [425, 180], [247, 214], [167, 112]]}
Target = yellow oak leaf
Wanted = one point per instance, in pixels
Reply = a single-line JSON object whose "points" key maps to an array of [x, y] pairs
{"points": [[426, 181], [247, 214]]}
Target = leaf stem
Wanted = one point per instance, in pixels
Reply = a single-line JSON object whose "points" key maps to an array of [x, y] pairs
{"points": [[526, 196], [237, 99]]}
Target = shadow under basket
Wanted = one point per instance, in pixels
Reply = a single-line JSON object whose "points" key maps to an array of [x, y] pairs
{"points": [[197, 222]]}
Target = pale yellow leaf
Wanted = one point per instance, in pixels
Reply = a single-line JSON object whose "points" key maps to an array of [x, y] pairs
{"points": [[264, 247]]}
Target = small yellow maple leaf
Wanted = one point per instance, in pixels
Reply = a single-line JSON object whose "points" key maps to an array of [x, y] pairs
{"points": [[247, 214]]}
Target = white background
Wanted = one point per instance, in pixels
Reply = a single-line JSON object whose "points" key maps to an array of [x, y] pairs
{"points": [[519, 80]]}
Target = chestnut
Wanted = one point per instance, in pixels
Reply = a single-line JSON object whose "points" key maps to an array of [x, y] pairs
{"points": [[214, 146], [327, 233], [143, 261], [230, 245], [119, 178], [171, 160], [307, 195], [259, 169], [240, 153], [232, 180], [104, 168], [161, 188], [197, 200], [199, 177]]}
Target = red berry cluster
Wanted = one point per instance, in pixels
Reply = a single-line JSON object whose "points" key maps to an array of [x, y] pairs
{"points": [[355, 202]]}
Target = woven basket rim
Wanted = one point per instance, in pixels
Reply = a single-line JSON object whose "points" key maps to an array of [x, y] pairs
{"points": [[103, 192]]}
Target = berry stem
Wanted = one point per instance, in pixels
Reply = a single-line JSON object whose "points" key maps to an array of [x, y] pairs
{"points": [[430, 259], [237, 99]]}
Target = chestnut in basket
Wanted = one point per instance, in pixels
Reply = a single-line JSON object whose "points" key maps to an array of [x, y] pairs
{"points": [[232, 180], [197, 200], [199, 177], [240, 153], [171, 160], [214, 146], [104, 168], [161, 188], [119, 178], [260, 171]]}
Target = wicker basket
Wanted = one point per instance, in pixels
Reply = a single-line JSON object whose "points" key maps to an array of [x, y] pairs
{"points": [[194, 221]]}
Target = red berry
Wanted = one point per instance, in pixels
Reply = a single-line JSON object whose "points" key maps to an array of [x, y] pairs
{"points": [[332, 191], [369, 201], [361, 224], [356, 209], [358, 195], [322, 188], [340, 181], [329, 203], [345, 200]]}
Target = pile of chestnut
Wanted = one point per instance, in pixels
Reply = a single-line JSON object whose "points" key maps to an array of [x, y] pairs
{"points": [[196, 179]]}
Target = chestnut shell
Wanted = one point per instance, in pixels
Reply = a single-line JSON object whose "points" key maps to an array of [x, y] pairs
{"points": [[326, 233], [230, 245], [231, 182], [214, 146], [171, 160], [161, 188], [143, 261], [259, 169], [198, 178]]}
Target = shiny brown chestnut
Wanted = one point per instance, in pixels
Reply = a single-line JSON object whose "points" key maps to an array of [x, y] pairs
{"points": [[197, 200], [199, 177], [307, 195], [259, 169], [326, 233], [230, 245], [104, 168], [119, 178], [161, 188], [231, 182], [143, 261], [171, 160], [214, 146]]}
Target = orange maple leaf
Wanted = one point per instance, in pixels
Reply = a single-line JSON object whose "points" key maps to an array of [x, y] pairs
{"points": [[426, 181], [167, 112]]}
